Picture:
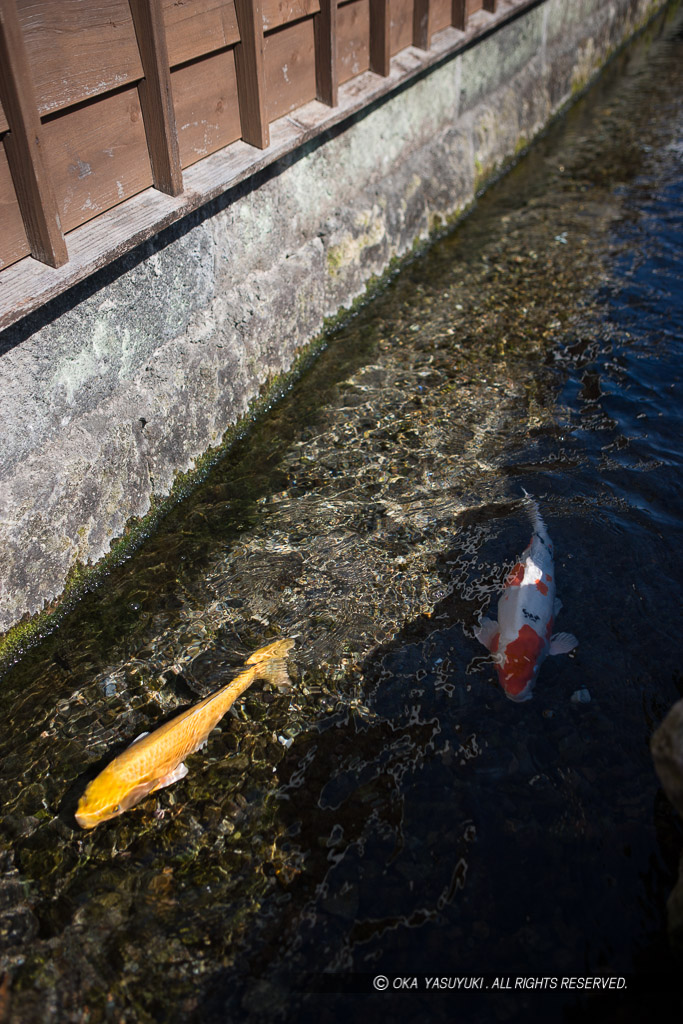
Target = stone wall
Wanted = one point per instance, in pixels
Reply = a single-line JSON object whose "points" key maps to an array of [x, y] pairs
{"points": [[112, 390]]}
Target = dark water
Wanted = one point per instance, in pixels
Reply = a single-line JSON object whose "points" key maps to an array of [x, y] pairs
{"points": [[395, 814]]}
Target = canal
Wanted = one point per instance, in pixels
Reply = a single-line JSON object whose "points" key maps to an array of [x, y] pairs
{"points": [[394, 814]]}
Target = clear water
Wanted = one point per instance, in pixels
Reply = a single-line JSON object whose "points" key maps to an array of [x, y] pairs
{"points": [[396, 814]]}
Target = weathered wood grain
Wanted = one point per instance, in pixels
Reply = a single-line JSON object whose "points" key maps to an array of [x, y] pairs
{"points": [[13, 241], [24, 145], [401, 25], [78, 49], [439, 14], [380, 38], [98, 156], [290, 67], [156, 98], [353, 39], [195, 28], [280, 12], [326, 69], [421, 24], [206, 106], [459, 14], [28, 284], [251, 73]]}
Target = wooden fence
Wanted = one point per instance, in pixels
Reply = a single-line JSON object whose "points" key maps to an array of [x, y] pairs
{"points": [[101, 100]]}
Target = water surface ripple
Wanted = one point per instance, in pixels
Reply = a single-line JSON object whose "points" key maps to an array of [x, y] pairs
{"points": [[395, 814]]}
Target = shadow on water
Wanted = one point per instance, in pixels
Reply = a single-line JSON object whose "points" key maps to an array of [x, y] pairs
{"points": [[395, 814], [391, 808]]}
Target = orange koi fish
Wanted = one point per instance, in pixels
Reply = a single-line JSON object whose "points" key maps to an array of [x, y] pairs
{"points": [[521, 638], [155, 759]]}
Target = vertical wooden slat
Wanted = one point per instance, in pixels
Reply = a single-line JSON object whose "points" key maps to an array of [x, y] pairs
{"points": [[421, 31], [459, 14], [490, 6], [23, 145], [326, 75], [251, 73], [156, 97], [380, 24]]}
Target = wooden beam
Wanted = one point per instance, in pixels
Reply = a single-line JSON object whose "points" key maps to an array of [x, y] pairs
{"points": [[459, 14], [251, 74], [380, 24], [326, 74], [421, 31], [28, 284], [156, 96], [490, 6], [23, 145]]}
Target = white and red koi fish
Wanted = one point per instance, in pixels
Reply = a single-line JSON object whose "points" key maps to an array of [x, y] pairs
{"points": [[521, 638]]}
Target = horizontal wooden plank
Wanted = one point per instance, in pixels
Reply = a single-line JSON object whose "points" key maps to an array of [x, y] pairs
{"points": [[206, 106], [195, 28], [28, 284], [353, 38], [440, 14], [13, 243], [97, 155], [78, 48], [290, 68], [401, 24], [280, 12]]}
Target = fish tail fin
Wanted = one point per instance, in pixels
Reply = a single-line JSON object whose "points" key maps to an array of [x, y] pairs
{"points": [[266, 663], [277, 649], [270, 663], [534, 513], [276, 673]]}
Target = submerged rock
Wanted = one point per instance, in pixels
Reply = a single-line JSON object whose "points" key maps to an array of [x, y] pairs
{"points": [[666, 746], [674, 914]]}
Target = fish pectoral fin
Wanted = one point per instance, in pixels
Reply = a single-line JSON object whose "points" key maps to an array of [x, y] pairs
{"points": [[562, 643], [557, 607], [178, 773], [486, 632]]}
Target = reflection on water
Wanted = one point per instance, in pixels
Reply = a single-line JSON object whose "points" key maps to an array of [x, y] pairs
{"points": [[395, 814]]}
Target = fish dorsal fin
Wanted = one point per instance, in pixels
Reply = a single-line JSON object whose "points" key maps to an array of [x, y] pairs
{"points": [[535, 516], [562, 643], [486, 632], [140, 737]]}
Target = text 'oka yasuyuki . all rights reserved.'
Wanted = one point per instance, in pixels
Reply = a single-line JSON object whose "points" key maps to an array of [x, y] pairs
{"points": [[383, 983]]}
